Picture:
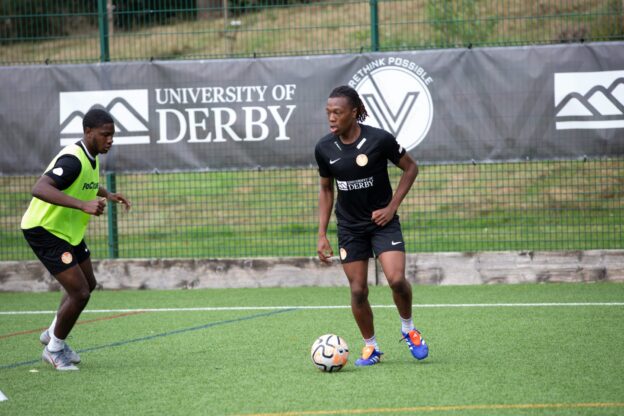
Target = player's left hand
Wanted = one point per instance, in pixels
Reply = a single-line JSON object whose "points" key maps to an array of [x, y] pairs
{"points": [[120, 199], [383, 216]]}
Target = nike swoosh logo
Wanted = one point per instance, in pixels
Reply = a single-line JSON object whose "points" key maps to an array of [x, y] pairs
{"points": [[394, 243], [331, 162]]}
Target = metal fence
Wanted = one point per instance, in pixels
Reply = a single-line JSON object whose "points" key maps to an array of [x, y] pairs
{"points": [[69, 31], [556, 205], [530, 205]]}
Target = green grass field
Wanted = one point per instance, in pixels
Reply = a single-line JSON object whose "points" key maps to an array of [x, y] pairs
{"points": [[554, 349]]}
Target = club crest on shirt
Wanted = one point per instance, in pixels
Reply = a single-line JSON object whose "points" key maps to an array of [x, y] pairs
{"points": [[66, 257], [361, 160], [343, 254]]}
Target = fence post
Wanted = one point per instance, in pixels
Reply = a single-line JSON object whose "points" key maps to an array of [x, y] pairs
{"points": [[374, 9], [103, 26], [111, 211]]}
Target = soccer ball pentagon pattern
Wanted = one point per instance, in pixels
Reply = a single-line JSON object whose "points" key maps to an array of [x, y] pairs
{"points": [[329, 353]]}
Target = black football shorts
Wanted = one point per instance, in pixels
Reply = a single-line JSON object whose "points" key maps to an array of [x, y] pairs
{"points": [[56, 254], [361, 243]]}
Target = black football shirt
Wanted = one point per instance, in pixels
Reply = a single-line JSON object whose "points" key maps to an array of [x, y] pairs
{"points": [[360, 170], [67, 168]]}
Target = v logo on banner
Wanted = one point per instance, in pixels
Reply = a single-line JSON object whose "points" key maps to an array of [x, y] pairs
{"points": [[387, 119]]}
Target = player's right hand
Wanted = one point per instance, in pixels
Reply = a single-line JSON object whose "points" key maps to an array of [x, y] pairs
{"points": [[324, 250], [95, 207]]}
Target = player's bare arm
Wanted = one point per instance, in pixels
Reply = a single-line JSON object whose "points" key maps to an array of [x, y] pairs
{"points": [[409, 167], [326, 201], [46, 190]]}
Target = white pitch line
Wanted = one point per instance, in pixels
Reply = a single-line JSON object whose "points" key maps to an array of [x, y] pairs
{"points": [[320, 307], [3, 397]]}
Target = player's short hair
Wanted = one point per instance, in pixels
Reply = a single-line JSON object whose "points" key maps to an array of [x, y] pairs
{"points": [[96, 117], [354, 99]]}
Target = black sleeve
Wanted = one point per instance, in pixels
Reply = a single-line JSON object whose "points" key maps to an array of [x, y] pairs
{"points": [[65, 171], [393, 150], [323, 167]]}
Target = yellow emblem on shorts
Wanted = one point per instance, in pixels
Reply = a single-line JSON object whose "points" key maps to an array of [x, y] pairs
{"points": [[343, 254], [66, 257], [361, 160]]}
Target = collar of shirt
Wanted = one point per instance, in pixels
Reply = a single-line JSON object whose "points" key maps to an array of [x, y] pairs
{"points": [[86, 150]]}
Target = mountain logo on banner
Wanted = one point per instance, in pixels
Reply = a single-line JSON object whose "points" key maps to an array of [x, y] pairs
{"points": [[396, 95], [589, 100], [129, 109]]}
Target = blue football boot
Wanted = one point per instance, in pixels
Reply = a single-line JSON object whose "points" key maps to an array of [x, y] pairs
{"points": [[416, 343], [370, 356]]}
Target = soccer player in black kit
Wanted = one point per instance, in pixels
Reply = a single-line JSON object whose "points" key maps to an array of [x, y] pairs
{"points": [[356, 156]]}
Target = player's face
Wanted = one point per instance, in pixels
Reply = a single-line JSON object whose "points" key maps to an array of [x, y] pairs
{"points": [[340, 114], [101, 137]]}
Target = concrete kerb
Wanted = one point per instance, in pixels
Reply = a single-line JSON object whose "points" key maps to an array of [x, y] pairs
{"points": [[421, 268]]}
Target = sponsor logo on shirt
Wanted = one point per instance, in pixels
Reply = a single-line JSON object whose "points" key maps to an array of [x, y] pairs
{"points": [[356, 184], [90, 185]]}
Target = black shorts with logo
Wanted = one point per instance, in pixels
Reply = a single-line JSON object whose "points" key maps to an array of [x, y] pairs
{"points": [[56, 254], [361, 243]]}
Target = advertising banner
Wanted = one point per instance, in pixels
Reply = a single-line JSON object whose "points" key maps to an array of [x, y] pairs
{"points": [[444, 106]]}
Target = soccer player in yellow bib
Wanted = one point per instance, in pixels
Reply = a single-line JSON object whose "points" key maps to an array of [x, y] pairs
{"points": [[355, 156], [64, 199]]}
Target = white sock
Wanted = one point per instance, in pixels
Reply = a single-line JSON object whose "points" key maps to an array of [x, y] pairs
{"points": [[55, 344], [52, 326], [407, 325], [372, 341]]}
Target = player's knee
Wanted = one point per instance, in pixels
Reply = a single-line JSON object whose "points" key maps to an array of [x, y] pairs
{"points": [[359, 294], [82, 296], [399, 285]]}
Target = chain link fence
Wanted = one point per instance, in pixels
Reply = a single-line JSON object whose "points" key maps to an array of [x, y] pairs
{"points": [[529, 205], [72, 31]]}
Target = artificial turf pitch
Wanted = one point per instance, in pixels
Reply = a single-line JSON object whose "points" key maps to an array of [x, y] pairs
{"points": [[550, 349]]}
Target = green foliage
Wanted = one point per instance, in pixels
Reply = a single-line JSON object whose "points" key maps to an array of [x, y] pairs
{"points": [[249, 6], [66, 31], [130, 14], [609, 23], [563, 205], [459, 23], [32, 19], [41, 19]]}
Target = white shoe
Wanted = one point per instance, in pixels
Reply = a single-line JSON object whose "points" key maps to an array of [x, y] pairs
{"points": [[73, 355], [59, 359]]}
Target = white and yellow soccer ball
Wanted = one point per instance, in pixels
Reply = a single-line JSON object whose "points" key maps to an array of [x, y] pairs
{"points": [[329, 353]]}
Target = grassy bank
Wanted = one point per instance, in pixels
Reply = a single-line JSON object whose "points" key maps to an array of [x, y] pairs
{"points": [[322, 27], [569, 205]]}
